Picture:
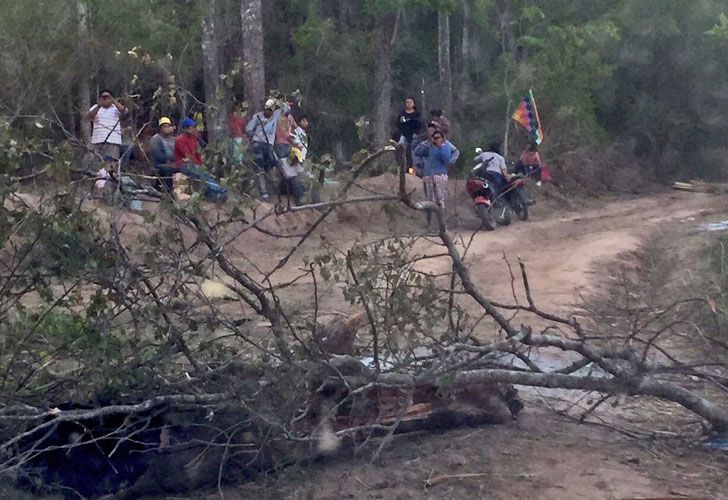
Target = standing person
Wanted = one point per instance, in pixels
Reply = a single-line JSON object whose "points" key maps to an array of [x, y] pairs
{"points": [[290, 185], [299, 155], [162, 152], [236, 124], [443, 124], [300, 137], [106, 118], [419, 162], [438, 154], [261, 129], [409, 125]]}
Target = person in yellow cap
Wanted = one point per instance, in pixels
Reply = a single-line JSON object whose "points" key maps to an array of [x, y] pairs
{"points": [[163, 152]]}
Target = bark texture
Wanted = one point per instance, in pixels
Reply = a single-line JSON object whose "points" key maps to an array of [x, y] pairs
{"points": [[251, 13], [444, 61], [384, 42], [84, 88], [214, 102]]}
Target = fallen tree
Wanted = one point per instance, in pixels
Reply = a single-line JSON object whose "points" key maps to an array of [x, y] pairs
{"points": [[126, 353]]}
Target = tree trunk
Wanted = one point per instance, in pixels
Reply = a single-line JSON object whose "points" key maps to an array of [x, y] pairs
{"points": [[443, 58], [384, 33], [251, 12], [466, 55], [214, 102], [508, 46], [84, 89]]}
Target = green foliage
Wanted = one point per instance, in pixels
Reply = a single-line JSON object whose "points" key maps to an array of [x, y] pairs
{"points": [[65, 344], [721, 28], [407, 305]]}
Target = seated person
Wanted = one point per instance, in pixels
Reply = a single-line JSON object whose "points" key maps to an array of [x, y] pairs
{"points": [[187, 160], [530, 162], [162, 153], [187, 146]]}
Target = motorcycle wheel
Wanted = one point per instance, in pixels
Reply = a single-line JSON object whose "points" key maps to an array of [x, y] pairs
{"points": [[520, 202], [503, 217], [485, 214]]}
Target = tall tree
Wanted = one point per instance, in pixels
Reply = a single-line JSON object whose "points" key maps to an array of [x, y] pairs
{"points": [[383, 40], [251, 13], [443, 58], [465, 54], [214, 101], [84, 88]]}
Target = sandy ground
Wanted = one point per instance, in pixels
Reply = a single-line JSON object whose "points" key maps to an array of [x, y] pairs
{"points": [[538, 457]]}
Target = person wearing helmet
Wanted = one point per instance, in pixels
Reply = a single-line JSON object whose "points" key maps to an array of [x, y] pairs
{"points": [[162, 152], [261, 129]]}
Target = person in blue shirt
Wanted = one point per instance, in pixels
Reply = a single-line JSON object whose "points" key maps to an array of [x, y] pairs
{"points": [[438, 154]]}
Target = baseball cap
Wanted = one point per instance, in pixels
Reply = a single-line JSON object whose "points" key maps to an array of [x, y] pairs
{"points": [[187, 123], [164, 121], [270, 104]]}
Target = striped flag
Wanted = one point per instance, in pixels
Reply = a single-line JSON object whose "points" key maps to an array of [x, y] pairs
{"points": [[527, 115]]}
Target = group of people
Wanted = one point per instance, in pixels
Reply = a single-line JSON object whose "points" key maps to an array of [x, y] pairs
{"points": [[276, 140], [428, 150], [430, 153]]}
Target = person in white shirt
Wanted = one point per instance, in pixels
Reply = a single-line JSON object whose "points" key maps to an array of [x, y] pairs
{"points": [[106, 118]]}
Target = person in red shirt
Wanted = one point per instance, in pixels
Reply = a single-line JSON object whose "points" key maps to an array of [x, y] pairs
{"points": [[530, 163], [236, 125], [187, 147]]}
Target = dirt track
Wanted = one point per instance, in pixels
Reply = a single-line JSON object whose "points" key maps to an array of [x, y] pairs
{"points": [[562, 249], [562, 252], [540, 455]]}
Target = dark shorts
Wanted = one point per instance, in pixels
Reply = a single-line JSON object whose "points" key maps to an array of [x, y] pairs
{"points": [[110, 152]]}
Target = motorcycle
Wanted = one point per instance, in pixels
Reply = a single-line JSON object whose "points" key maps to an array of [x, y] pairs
{"points": [[493, 208], [516, 196], [490, 208]]}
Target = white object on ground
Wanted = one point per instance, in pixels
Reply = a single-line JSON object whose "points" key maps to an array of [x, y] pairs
{"points": [[716, 226], [103, 176]]}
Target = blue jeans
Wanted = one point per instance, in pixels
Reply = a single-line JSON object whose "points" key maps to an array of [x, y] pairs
{"points": [[498, 180], [265, 158]]}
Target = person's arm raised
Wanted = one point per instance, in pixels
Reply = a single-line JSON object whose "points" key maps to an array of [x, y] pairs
{"points": [[120, 107], [91, 115]]}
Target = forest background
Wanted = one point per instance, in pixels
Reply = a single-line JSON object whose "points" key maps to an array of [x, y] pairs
{"points": [[648, 74]]}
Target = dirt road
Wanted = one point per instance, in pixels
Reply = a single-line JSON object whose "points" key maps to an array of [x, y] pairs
{"points": [[562, 252], [561, 249], [540, 455]]}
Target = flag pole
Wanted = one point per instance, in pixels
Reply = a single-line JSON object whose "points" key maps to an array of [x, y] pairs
{"points": [[535, 110]]}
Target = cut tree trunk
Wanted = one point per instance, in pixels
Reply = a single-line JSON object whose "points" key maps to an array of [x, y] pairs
{"points": [[214, 102], [251, 13]]}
